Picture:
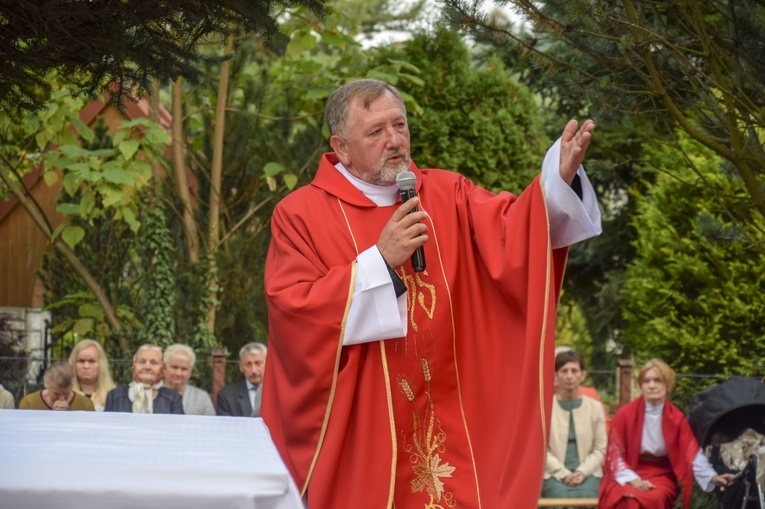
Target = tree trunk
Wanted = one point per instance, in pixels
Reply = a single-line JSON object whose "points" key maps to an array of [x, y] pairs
{"points": [[215, 184], [181, 181]]}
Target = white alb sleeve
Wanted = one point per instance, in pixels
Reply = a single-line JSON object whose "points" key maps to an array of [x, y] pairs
{"points": [[571, 219], [375, 312], [703, 471]]}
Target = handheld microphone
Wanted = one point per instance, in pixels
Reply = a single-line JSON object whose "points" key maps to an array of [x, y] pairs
{"points": [[406, 181]]}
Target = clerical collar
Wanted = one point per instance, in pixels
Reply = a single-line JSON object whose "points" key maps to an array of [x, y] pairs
{"points": [[382, 196]]}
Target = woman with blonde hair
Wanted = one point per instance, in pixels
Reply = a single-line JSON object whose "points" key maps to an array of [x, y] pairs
{"points": [[652, 448], [92, 376]]}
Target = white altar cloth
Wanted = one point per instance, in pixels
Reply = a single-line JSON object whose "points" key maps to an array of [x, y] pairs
{"points": [[94, 460]]}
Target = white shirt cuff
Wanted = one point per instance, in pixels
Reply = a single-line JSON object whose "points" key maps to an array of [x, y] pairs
{"points": [[572, 219], [375, 312]]}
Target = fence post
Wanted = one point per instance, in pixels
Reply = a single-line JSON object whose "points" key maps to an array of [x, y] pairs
{"points": [[625, 381], [219, 372]]}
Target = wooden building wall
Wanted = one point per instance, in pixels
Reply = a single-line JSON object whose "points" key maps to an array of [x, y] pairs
{"points": [[22, 245]]}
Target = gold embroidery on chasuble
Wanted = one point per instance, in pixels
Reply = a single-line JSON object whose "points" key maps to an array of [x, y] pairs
{"points": [[425, 442]]}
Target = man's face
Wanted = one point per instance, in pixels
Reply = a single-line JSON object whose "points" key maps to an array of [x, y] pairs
{"points": [[86, 366], [252, 365], [177, 371], [148, 365], [377, 145]]}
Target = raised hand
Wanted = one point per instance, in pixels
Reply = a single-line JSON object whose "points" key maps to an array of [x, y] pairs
{"points": [[573, 147], [403, 234]]}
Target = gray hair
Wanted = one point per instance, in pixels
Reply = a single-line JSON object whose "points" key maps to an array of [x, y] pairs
{"points": [[179, 349], [253, 348], [60, 375], [148, 346], [366, 90]]}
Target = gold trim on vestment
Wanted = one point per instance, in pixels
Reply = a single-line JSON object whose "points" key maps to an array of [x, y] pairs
{"points": [[336, 370], [542, 402], [392, 425]]}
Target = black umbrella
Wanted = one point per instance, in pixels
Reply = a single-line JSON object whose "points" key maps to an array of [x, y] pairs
{"points": [[721, 412]]}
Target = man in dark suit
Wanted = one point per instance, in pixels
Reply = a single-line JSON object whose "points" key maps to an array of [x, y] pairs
{"points": [[242, 399]]}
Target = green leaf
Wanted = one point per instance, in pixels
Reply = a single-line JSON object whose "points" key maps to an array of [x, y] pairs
{"points": [[71, 183], [128, 148], [111, 195], [338, 40], [299, 43], [83, 130], [403, 64], [91, 310], [68, 209], [157, 136], [141, 171], [273, 168], [83, 326], [141, 121], [130, 219], [118, 137], [68, 138], [383, 76], [290, 180], [119, 176], [72, 235], [315, 93], [87, 203], [50, 177]]}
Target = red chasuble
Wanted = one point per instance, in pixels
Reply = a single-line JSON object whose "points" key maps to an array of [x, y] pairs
{"points": [[625, 442], [455, 414]]}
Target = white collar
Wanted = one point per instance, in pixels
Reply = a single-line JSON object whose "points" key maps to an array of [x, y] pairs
{"points": [[654, 410], [382, 196]]}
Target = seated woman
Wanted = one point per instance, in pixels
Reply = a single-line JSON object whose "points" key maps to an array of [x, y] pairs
{"points": [[577, 435], [651, 448], [179, 363], [145, 394], [92, 376]]}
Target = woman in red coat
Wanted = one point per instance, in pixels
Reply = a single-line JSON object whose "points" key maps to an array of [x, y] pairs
{"points": [[652, 448]]}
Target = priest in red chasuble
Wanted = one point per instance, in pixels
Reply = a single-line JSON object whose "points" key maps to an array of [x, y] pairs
{"points": [[390, 387]]}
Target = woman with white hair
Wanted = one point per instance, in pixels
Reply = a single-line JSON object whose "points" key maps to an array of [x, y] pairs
{"points": [[179, 364], [146, 393], [92, 376]]}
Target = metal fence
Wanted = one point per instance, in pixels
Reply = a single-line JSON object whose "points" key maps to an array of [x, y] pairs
{"points": [[23, 379]]}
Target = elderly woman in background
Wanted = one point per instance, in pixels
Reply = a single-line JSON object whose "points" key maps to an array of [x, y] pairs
{"points": [[179, 364], [577, 435], [145, 394], [92, 376], [651, 448], [59, 392]]}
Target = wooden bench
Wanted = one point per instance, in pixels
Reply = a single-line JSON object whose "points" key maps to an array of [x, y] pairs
{"points": [[570, 502]]}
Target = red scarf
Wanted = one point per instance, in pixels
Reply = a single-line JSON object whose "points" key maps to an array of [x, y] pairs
{"points": [[627, 434]]}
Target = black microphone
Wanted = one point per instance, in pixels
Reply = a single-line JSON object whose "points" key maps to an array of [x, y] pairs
{"points": [[406, 181]]}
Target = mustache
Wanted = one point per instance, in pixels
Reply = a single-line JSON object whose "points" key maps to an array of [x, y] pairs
{"points": [[396, 152]]}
